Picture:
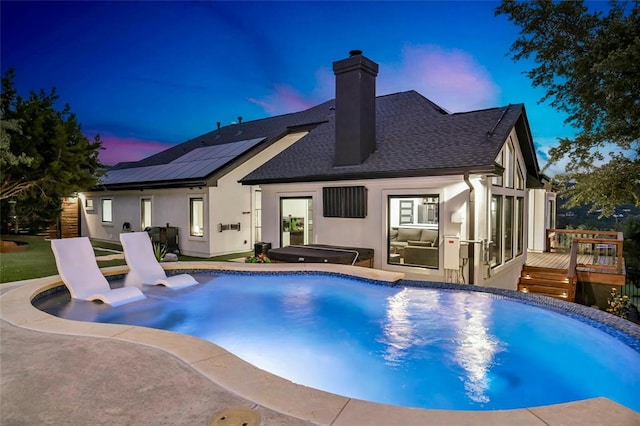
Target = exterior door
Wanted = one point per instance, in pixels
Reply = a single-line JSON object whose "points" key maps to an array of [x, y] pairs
{"points": [[296, 221]]}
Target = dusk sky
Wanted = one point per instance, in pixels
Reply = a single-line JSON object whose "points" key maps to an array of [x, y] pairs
{"points": [[149, 75]]}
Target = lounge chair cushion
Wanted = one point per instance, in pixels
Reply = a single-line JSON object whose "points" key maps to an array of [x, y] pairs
{"points": [[79, 271], [143, 266]]}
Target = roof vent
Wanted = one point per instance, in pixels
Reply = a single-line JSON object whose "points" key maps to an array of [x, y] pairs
{"points": [[218, 124], [355, 52], [239, 119]]}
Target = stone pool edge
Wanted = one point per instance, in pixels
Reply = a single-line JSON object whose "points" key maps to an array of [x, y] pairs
{"points": [[273, 392]]}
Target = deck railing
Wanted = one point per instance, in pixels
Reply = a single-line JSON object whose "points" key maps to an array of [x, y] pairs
{"points": [[603, 247]]}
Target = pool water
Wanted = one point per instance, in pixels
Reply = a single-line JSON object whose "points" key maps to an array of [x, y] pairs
{"points": [[415, 347]]}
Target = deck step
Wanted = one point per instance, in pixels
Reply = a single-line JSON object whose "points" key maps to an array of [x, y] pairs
{"points": [[546, 281], [556, 292], [543, 275], [541, 269]]}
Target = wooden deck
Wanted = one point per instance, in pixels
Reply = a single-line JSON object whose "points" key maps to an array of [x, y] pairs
{"points": [[553, 260], [587, 270]]}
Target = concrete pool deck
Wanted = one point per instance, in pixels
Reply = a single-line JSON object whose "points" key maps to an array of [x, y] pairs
{"points": [[57, 371]]}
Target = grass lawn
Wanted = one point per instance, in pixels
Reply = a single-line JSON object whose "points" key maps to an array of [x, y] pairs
{"points": [[38, 260]]}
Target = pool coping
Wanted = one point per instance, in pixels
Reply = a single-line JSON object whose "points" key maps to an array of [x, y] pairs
{"points": [[273, 392]]}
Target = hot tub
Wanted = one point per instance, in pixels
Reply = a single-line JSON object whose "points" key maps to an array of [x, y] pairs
{"points": [[322, 253]]}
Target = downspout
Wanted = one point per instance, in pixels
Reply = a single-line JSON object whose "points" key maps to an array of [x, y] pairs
{"points": [[471, 219]]}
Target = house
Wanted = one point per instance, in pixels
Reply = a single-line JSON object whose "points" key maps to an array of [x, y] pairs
{"points": [[438, 196], [190, 193]]}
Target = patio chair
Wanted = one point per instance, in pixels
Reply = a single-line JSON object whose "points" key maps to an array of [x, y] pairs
{"points": [[143, 266], [79, 271]]}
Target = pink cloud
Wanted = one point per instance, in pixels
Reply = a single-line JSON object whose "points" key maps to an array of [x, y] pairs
{"points": [[450, 78], [283, 99], [118, 149]]}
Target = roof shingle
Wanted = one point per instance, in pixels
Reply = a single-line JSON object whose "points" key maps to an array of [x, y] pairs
{"points": [[414, 137]]}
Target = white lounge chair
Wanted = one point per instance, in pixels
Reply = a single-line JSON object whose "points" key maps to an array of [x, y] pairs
{"points": [[79, 271], [143, 266]]}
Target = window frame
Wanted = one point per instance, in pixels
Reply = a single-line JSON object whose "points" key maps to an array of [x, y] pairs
{"points": [[496, 230], [395, 254], [519, 177], [499, 180], [201, 199], [144, 225], [285, 234], [509, 233], [520, 226], [106, 205], [510, 164], [257, 194]]}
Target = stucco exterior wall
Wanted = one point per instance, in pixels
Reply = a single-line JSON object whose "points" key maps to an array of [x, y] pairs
{"points": [[537, 219], [169, 206], [372, 231], [541, 217], [226, 201]]}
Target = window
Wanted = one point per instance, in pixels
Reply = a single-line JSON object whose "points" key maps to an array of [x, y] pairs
{"points": [[509, 167], [496, 230], [497, 180], [145, 213], [107, 213], [519, 177], [508, 228], [506, 222], [520, 225], [258, 210], [196, 217], [413, 230], [88, 204], [552, 214]]}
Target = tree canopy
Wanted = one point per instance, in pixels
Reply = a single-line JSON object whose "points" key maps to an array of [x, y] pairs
{"points": [[589, 64], [43, 154]]}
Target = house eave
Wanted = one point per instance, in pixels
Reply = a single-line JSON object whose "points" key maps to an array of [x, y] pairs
{"points": [[490, 170], [152, 185]]}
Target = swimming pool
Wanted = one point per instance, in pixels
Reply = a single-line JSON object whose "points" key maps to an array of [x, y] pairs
{"points": [[429, 348]]}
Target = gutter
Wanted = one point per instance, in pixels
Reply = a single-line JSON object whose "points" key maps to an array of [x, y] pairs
{"points": [[492, 169]]}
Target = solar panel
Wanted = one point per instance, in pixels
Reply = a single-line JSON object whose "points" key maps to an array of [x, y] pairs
{"points": [[198, 163]]}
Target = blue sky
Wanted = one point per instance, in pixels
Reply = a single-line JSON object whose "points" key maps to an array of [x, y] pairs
{"points": [[148, 75]]}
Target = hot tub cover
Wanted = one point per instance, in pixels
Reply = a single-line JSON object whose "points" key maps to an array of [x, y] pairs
{"points": [[320, 253]]}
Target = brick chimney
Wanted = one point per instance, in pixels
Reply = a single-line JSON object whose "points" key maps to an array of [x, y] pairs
{"points": [[355, 108]]}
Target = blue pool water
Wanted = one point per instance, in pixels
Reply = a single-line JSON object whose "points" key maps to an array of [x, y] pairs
{"points": [[416, 347]]}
